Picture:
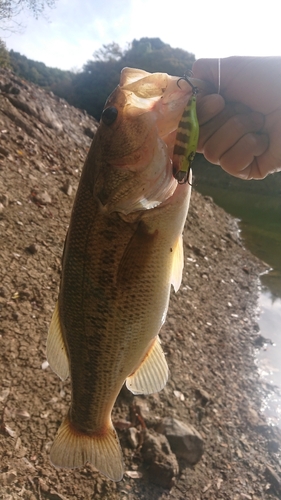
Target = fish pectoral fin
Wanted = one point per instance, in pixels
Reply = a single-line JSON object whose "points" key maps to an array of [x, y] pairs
{"points": [[72, 448], [152, 374], [177, 266], [56, 350]]}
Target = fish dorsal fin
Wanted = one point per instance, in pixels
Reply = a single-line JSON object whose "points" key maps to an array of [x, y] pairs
{"points": [[152, 374], [131, 75], [177, 266], [56, 351]]}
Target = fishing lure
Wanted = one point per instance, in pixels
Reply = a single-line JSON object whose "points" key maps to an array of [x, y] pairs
{"points": [[186, 138]]}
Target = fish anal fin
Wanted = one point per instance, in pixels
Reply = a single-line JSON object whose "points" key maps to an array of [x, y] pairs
{"points": [[152, 374], [72, 448], [177, 266], [56, 350]]}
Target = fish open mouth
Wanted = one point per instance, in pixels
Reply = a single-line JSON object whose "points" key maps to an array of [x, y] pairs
{"points": [[151, 106]]}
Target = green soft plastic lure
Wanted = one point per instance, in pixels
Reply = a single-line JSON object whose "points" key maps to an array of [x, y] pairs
{"points": [[186, 138]]}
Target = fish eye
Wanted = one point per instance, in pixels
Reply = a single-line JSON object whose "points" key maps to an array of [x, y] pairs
{"points": [[109, 115]]}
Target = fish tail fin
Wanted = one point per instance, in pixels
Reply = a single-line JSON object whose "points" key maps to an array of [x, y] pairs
{"points": [[72, 448]]}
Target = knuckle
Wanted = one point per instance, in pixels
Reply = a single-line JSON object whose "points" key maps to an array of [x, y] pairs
{"points": [[211, 154], [250, 141], [247, 122], [238, 123]]}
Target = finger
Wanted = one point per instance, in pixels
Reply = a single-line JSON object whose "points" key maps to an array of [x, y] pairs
{"points": [[241, 160], [206, 69], [209, 106], [230, 133], [209, 128]]}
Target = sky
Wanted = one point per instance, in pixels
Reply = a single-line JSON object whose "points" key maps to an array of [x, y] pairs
{"points": [[68, 34]]}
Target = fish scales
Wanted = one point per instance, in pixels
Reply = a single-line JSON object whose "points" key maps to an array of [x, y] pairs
{"points": [[122, 253]]}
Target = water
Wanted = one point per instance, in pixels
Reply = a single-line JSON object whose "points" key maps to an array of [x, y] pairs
{"points": [[269, 357], [258, 206]]}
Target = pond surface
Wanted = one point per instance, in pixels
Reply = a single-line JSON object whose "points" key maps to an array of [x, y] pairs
{"points": [[269, 357], [258, 206]]}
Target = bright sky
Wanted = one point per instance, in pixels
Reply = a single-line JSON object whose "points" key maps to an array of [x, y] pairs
{"points": [[69, 34]]}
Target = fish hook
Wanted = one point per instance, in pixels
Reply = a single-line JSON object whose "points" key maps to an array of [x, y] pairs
{"points": [[183, 177], [195, 89]]}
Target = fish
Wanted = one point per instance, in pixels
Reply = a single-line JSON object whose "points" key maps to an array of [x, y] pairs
{"points": [[122, 253]]}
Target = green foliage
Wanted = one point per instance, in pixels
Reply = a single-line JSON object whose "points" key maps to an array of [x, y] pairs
{"points": [[38, 73], [100, 76], [11, 8], [4, 55], [151, 54], [90, 88], [108, 52]]}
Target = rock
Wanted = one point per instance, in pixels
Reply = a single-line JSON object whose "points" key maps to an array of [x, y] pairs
{"points": [[133, 437], [253, 417], [184, 439], [162, 463], [203, 395], [32, 249], [23, 104], [22, 415], [49, 117], [4, 292], [260, 341], [39, 165], [273, 446], [67, 187], [89, 132], [273, 479], [122, 424], [4, 151], [140, 407], [4, 198], [9, 88], [8, 477], [43, 198]]}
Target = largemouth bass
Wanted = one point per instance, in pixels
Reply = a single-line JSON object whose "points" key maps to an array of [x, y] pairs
{"points": [[122, 252]]}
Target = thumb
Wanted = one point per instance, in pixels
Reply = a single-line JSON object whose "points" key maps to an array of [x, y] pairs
{"points": [[208, 70]]}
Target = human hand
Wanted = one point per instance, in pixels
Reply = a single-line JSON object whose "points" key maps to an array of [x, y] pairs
{"points": [[240, 129]]}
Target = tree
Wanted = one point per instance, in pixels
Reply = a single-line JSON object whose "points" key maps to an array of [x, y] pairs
{"points": [[9, 9], [111, 51], [89, 88], [100, 76], [4, 55]]}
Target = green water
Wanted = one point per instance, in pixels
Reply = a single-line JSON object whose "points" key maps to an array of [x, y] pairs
{"points": [[257, 204]]}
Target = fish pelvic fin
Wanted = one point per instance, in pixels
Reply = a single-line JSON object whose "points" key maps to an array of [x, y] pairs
{"points": [[56, 350], [73, 448], [177, 267], [152, 374]]}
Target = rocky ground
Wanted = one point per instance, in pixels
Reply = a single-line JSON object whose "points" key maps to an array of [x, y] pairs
{"points": [[209, 337]]}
